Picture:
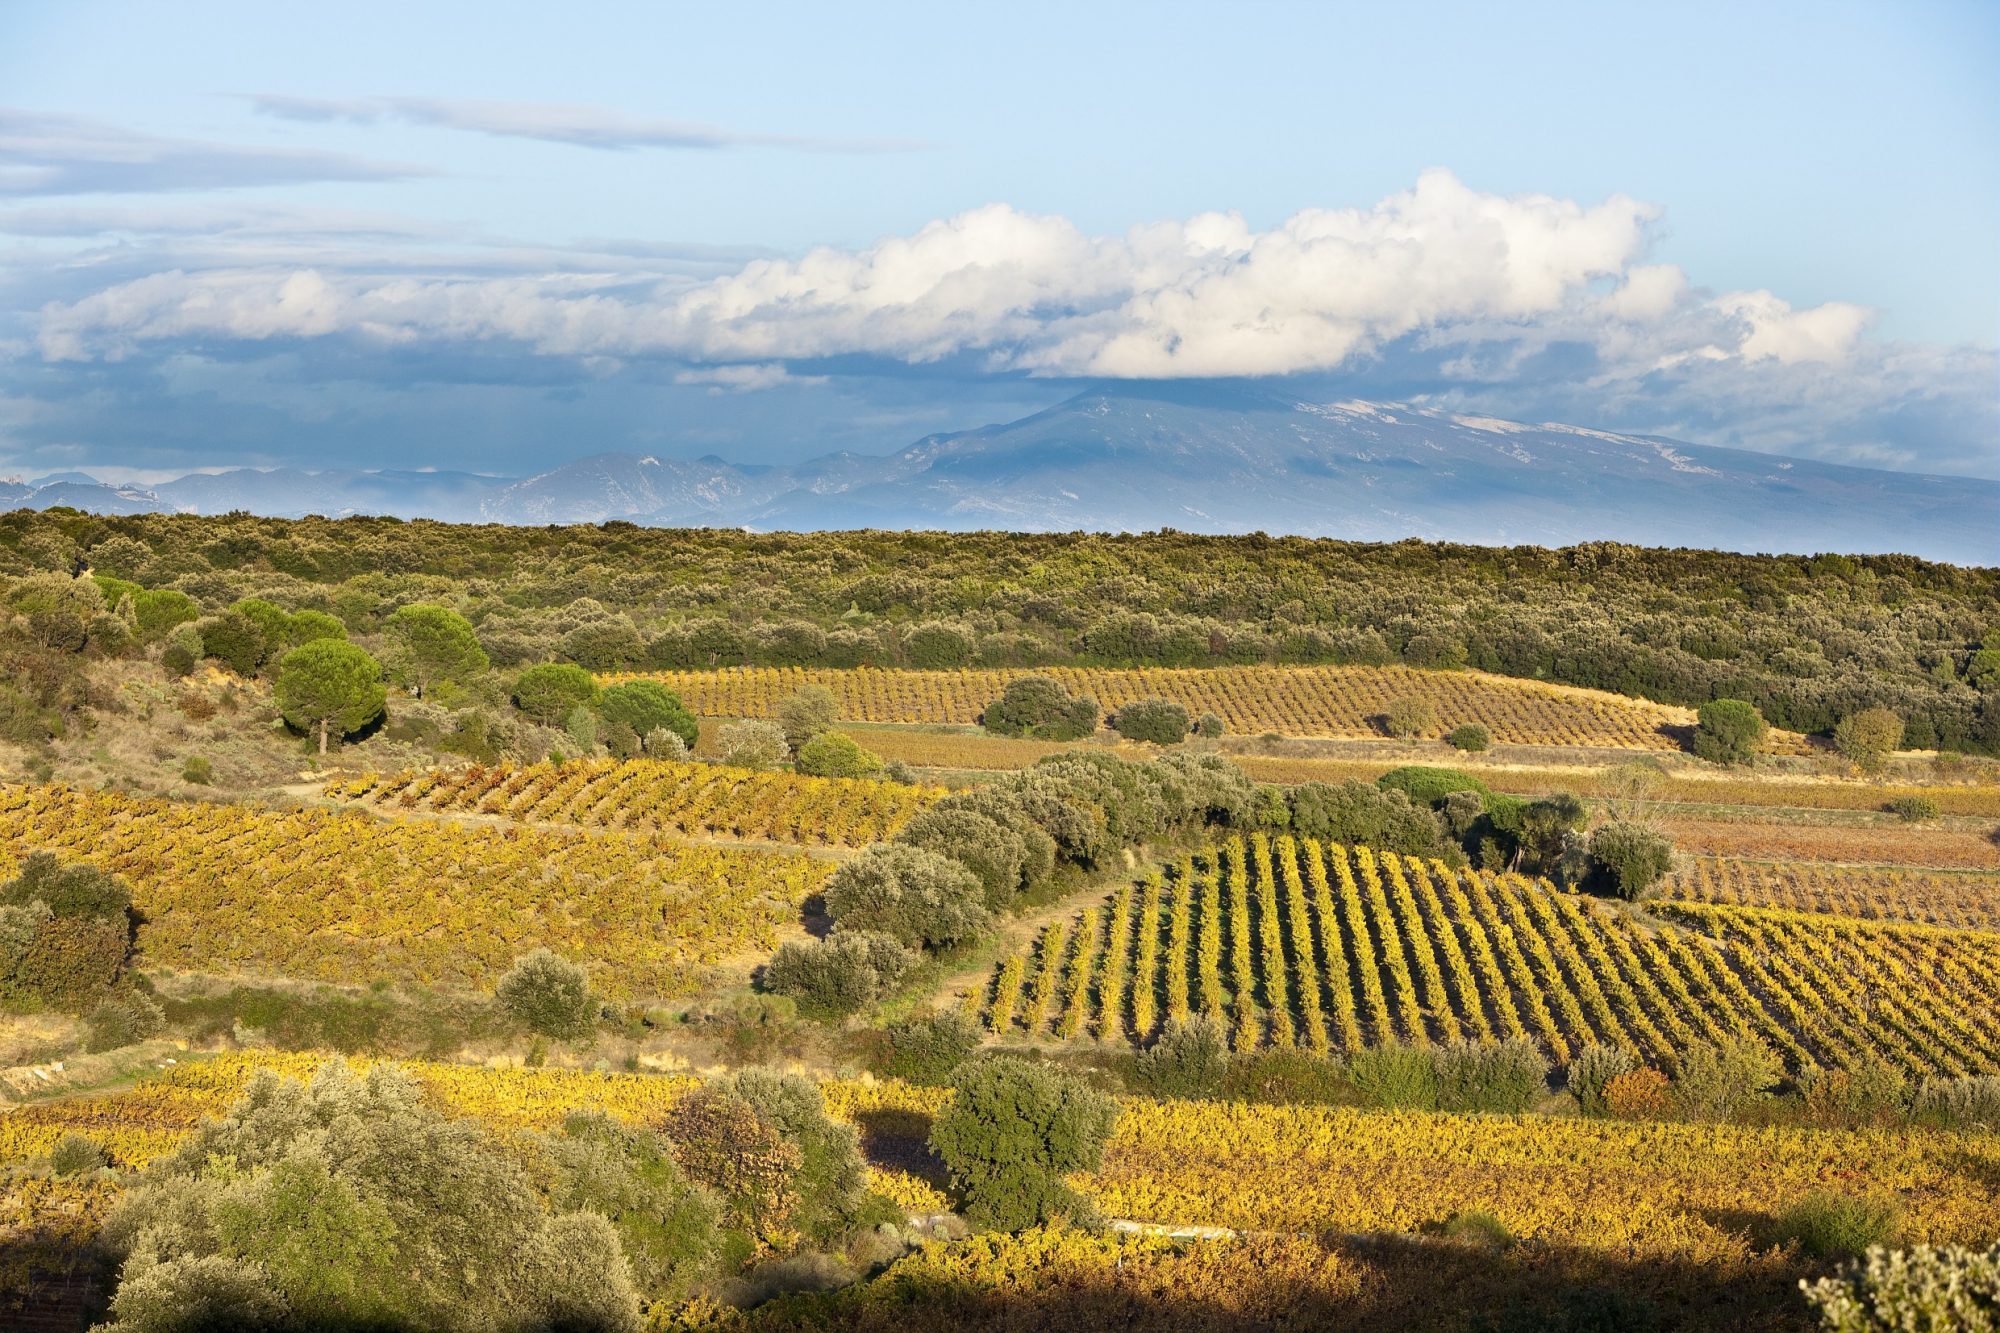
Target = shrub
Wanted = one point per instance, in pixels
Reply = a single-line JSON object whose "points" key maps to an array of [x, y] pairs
{"points": [[350, 1202], [1630, 859], [928, 1047], [660, 743], [1833, 1226], [1471, 738], [993, 852], [758, 745], [1639, 1095], [550, 692], [65, 932], [1871, 1091], [1188, 1059], [1012, 1132], [549, 994], [198, 770], [914, 896], [718, 1138], [76, 1153], [1592, 1070], [830, 1174], [1868, 737], [1210, 727], [1914, 809], [668, 1227], [1409, 717], [1922, 1290], [1399, 1077], [1969, 1102], [937, 645], [234, 640], [834, 754], [1508, 1076], [1160, 721], [835, 976], [1716, 1080], [1728, 731], [1040, 706], [1360, 813], [1475, 1228], [806, 713], [124, 1019], [1428, 785]]}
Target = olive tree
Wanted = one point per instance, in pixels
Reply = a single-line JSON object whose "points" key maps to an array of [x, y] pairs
{"points": [[1728, 731], [1012, 1131]]}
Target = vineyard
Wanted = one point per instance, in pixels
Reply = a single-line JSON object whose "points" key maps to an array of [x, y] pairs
{"points": [[341, 895], [1966, 900], [1885, 844], [1636, 1188], [1324, 948], [649, 796], [1298, 701]]}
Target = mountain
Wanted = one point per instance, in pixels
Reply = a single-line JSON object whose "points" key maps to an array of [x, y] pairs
{"points": [[1199, 457]]}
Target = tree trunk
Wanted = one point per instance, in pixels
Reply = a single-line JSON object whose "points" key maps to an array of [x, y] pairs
{"points": [[322, 735]]}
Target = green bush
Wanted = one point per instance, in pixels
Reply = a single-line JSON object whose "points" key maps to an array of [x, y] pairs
{"points": [[1471, 738], [1359, 813], [928, 1047], [234, 640], [1011, 1133], [1630, 859], [1914, 809], [351, 1202], [1408, 717], [1507, 1076], [838, 975], [1834, 1226], [1159, 721], [835, 754], [1395, 1077], [76, 1153], [198, 771], [1040, 706], [1210, 727], [829, 1180], [1868, 1091], [1969, 1102], [1189, 1058], [1428, 785], [669, 1229], [548, 994], [971, 837], [914, 896], [1592, 1068], [1868, 737], [123, 1019], [1717, 1080], [1918, 1290], [751, 744], [1474, 1228], [1728, 731], [806, 713]]}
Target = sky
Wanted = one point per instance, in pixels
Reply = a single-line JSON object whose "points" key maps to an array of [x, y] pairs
{"points": [[496, 237]]}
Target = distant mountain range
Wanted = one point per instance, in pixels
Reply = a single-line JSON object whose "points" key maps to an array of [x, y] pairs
{"points": [[1197, 457]]}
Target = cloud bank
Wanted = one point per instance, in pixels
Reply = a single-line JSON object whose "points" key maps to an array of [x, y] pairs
{"points": [[552, 122], [1528, 306], [44, 154]]}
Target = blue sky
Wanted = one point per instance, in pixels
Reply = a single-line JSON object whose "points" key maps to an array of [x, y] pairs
{"points": [[500, 236]]}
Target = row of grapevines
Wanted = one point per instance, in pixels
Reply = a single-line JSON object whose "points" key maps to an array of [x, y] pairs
{"points": [[653, 796]]}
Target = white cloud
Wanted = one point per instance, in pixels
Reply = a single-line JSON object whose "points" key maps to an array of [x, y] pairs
{"points": [[1777, 332], [1021, 291], [553, 122], [744, 378]]}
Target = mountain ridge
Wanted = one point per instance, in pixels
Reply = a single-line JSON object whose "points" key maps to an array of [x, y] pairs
{"points": [[1200, 458]]}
